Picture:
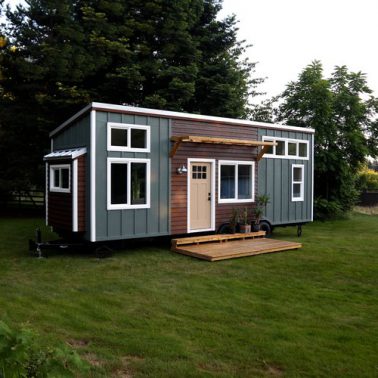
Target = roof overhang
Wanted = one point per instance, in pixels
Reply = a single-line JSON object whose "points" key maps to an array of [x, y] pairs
{"points": [[225, 141], [65, 154]]}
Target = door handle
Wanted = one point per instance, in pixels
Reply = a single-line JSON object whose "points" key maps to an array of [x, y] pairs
{"points": [[209, 197]]}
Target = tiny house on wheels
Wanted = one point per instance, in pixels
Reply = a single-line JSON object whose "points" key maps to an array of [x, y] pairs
{"points": [[119, 172]]}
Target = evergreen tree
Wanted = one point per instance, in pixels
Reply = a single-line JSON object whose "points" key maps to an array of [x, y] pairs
{"points": [[343, 113], [62, 54]]}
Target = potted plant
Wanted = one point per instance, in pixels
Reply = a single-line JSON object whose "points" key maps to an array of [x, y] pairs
{"points": [[234, 220], [261, 202], [245, 226], [258, 214]]}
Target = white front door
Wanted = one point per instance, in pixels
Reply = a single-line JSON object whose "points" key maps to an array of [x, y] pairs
{"points": [[200, 198]]}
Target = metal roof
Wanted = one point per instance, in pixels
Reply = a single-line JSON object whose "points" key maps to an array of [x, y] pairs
{"points": [[65, 154]]}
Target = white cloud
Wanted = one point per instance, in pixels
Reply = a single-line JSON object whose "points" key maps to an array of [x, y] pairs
{"points": [[288, 35]]}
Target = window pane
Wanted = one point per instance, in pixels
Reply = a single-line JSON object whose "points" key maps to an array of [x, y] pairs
{"points": [[119, 137], [118, 183], [297, 173], [280, 148], [269, 149], [303, 149], [138, 183], [292, 149], [138, 138], [227, 189], [244, 181], [56, 178], [65, 184], [296, 190]]}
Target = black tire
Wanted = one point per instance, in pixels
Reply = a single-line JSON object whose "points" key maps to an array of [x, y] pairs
{"points": [[225, 228], [266, 226]]}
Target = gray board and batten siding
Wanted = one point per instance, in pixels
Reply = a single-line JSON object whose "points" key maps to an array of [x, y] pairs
{"points": [[275, 180], [134, 223]]}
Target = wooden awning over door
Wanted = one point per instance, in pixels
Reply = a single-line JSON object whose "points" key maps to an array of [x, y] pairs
{"points": [[212, 140]]}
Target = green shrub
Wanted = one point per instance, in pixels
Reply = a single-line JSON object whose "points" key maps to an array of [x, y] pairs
{"points": [[368, 179], [22, 356], [324, 209]]}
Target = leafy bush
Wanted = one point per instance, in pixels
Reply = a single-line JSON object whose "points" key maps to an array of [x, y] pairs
{"points": [[324, 209], [368, 179], [22, 356]]}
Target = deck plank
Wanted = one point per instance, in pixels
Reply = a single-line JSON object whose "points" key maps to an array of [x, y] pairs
{"points": [[235, 248]]}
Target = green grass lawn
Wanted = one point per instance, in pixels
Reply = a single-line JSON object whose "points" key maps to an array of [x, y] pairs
{"points": [[147, 312]]}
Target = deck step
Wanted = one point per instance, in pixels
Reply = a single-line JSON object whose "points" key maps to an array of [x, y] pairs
{"points": [[216, 238]]}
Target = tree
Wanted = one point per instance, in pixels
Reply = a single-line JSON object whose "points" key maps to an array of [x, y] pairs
{"points": [[343, 113], [62, 54]]}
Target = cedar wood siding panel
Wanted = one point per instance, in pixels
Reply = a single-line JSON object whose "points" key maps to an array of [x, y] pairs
{"points": [[275, 180], [77, 135], [207, 151], [60, 204]]}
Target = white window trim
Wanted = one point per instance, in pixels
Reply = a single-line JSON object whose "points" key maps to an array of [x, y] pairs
{"points": [[53, 188], [235, 163], [127, 161], [128, 127], [212, 162], [301, 198], [287, 141]]}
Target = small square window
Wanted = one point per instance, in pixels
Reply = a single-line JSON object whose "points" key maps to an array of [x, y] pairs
{"points": [[119, 137], [296, 190], [280, 148], [297, 173], [138, 138], [292, 149], [60, 178], [303, 149]]}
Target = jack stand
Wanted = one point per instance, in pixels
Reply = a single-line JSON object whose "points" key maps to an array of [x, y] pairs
{"points": [[299, 230]]}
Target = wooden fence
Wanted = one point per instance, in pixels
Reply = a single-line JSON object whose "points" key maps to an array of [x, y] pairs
{"points": [[369, 198], [24, 200]]}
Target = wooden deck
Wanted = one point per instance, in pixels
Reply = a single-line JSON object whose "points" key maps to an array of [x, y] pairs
{"points": [[222, 247]]}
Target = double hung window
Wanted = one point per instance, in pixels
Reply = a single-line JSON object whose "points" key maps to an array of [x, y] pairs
{"points": [[236, 181], [297, 182], [128, 183], [60, 178]]}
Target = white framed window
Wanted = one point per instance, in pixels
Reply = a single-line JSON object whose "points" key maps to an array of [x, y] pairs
{"points": [[127, 137], [128, 183], [297, 182], [60, 178], [287, 148], [236, 181]]}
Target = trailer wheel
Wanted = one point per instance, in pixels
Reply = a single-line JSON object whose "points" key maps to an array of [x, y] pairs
{"points": [[224, 228], [266, 226], [103, 251]]}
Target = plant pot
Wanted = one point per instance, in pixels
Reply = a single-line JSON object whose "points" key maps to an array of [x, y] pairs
{"points": [[245, 228], [256, 227]]}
